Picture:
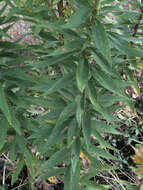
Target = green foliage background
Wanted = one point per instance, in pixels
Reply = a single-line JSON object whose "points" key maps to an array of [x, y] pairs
{"points": [[60, 97]]}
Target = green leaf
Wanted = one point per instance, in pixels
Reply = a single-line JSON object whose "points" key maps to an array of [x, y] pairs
{"points": [[13, 149], [51, 172], [76, 152], [57, 59], [4, 106], [115, 86], [86, 127], [9, 3], [3, 9], [104, 65], [81, 2], [78, 18], [79, 110], [55, 159], [19, 167], [101, 39], [101, 140], [15, 122], [82, 74], [60, 83], [29, 158], [93, 171], [59, 129], [123, 46], [42, 133], [71, 180], [68, 178], [76, 178], [97, 151], [68, 111], [3, 131], [72, 132], [95, 186], [102, 127], [50, 117], [57, 135], [92, 94]]}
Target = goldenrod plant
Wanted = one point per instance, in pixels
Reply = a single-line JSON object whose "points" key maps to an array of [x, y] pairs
{"points": [[61, 95]]}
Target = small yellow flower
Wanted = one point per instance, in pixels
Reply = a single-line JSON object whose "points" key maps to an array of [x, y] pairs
{"points": [[83, 156], [53, 179]]}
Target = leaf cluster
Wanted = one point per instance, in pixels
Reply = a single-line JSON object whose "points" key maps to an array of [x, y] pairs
{"points": [[59, 98]]}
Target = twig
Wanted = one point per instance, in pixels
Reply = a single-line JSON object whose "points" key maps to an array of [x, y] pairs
{"points": [[3, 175], [117, 179], [7, 159], [4, 168], [21, 185]]}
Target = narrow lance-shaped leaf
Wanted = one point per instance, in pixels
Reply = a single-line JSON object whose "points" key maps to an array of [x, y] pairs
{"points": [[15, 122], [101, 140], [102, 127], [55, 159], [57, 131], [115, 86], [72, 131], [56, 59], [66, 113], [53, 139], [18, 170], [81, 2], [3, 131], [30, 159], [101, 39], [94, 186], [4, 106], [123, 46], [60, 83], [76, 152], [104, 64], [68, 178], [3, 9], [78, 18], [82, 74], [86, 127], [52, 172], [76, 178], [101, 152], [92, 94], [79, 110], [71, 180]]}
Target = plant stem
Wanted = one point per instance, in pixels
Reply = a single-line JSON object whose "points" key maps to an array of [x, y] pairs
{"points": [[60, 8], [138, 24], [96, 2], [49, 5]]}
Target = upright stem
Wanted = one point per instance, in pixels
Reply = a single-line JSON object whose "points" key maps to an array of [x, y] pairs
{"points": [[61, 37], [96, 2], [49, 5], [60, 7], [138, 24]]}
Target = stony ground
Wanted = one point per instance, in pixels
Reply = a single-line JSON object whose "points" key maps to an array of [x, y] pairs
{"points": [[19, 30]]}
